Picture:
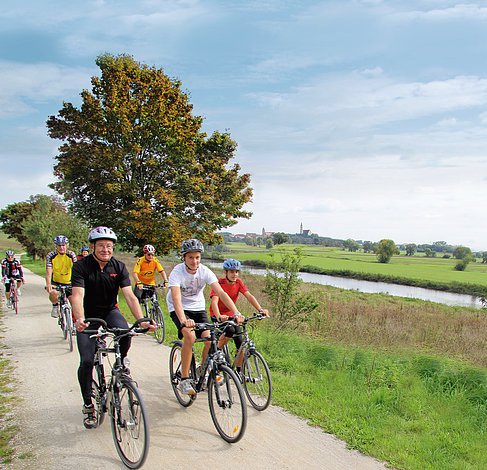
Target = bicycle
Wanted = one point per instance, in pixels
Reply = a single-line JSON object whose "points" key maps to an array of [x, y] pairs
{"points": [[226, 398], [255, 375], [119, 394], [65, 318], [13, 300], [153, 311]]}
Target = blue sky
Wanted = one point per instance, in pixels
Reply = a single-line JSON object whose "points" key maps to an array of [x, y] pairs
{"points": [[360, 119]]}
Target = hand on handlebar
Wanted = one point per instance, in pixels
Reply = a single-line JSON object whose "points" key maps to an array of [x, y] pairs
{"points": [[188, 323], [151, 326], [81, 325]]}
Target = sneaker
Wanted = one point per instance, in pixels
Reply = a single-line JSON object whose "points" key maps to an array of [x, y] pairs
{"points": [[186, 387], [55, 311], [89, 419]]}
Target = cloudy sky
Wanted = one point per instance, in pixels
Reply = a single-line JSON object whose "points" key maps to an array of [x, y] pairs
{"points": [[361, 119]]}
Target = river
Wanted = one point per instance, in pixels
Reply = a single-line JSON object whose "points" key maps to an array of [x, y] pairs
{"points": [[370, 287]]}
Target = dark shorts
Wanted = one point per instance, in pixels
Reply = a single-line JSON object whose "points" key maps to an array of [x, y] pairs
{"points": [[7, 284], [69, 291], [142, 294], [199, 316]]}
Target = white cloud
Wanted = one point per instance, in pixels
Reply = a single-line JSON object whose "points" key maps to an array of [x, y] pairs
{"points": [[23, 86]]}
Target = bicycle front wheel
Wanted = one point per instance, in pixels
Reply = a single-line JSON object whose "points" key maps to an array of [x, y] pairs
{"points": [[227, 404], [256, 379], [130, 428], [68, 322], [175, 375], [158, 317], [99, 400], [15, 302]]}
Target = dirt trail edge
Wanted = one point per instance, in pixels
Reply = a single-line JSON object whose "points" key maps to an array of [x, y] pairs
{"points": [[51, 421]]}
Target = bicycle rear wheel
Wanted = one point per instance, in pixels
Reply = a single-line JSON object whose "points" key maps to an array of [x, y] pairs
{"points": [[158, 317], [61, 322], [227, 404], [257, 380], [175, 375], [130, 427]]}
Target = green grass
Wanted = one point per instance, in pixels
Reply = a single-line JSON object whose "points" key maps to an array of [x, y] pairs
{"points": [[8, 401]]}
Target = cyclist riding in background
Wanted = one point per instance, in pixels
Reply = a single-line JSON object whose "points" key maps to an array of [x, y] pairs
{"points": [[11, 269], [186, 303], [58, 270], [84, 251], [144, 272], [233, 286], [96, 280]]}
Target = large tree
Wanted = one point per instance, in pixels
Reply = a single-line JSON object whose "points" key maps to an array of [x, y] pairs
{"points": [[385, 250], [134, 158]]}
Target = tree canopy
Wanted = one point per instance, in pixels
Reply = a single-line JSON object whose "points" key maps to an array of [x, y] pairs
{"points": [[134, 158], [35, 223], [385, 250]]}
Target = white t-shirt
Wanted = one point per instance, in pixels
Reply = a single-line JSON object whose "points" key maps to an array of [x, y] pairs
{"points": [[192, 286]]}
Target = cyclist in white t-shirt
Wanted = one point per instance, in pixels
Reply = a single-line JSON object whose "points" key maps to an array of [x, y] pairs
{"points": [[186, 303]]}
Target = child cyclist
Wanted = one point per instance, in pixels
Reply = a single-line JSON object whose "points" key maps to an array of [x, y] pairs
{"points": [[186, 303], [233, 286]]}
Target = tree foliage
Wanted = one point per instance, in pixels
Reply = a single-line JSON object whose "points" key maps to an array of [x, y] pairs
{"points": [[279, 238], [385, 250], [134, 158], [411, 248], [36, 222]]}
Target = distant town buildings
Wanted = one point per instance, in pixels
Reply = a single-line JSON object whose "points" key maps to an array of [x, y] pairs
{"points": [[266, 234]]}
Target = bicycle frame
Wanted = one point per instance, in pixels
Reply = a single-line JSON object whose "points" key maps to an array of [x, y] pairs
{"points": [[247, 342], [14, 297], [215, 356]]}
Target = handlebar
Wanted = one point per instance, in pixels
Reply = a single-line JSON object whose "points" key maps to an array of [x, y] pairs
{"points": [[214, 326], [255, 316], [104, 329], [62, 288], [151, 287]]}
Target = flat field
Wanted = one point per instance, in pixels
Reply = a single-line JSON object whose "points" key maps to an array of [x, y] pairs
{"points": [[417, 267]]}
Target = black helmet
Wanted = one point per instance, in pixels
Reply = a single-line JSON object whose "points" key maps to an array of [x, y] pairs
{"points": [[191, 245]]}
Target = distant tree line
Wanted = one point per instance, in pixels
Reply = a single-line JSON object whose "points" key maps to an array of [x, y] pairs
{"points": [[384, 249]]}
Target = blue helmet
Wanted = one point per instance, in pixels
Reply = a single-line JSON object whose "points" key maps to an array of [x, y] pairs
{"points": [[84, 248], [232, 264], [61, 240]]}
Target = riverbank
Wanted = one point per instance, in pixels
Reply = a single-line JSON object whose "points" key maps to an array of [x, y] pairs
{"points": [[476, 290]]}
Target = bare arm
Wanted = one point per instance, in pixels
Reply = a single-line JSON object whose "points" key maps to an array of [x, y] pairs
{"points": [[48, 279], [178, 306], [76, 301]]}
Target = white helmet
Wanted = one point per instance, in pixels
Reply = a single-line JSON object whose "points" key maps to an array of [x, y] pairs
{"points": [[102, 233]]}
